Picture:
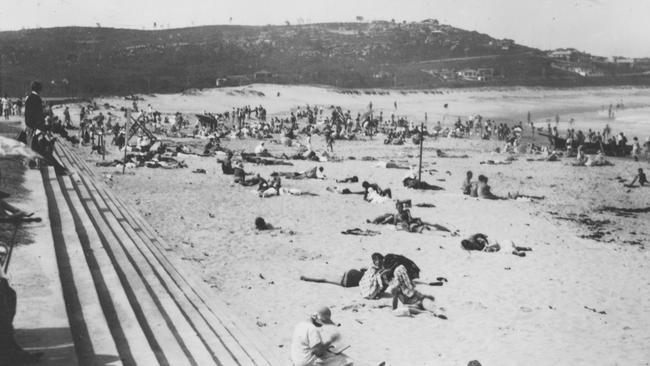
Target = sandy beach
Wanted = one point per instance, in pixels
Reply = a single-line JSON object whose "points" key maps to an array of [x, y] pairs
{"points": [[580, 297]]}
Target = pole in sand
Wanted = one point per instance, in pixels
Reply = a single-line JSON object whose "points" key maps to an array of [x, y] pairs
{"points": [[421, 147], [126, 138]]}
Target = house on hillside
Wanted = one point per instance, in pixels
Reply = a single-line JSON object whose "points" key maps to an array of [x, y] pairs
{"points": [[561, 54], [623, 61], [485, 74], [468, 74]]}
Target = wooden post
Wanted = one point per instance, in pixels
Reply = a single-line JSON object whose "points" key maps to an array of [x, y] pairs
{"points": [[126, 138], [421, 148], [103, 146]]}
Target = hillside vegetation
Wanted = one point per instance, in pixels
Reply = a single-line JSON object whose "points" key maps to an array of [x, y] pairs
{"points": [[77, 61]]}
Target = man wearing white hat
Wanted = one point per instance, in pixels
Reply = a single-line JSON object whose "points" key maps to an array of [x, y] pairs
{"points": [[308, 347]]}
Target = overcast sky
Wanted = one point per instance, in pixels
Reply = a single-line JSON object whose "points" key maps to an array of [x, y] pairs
{"points": [[602, 27]]}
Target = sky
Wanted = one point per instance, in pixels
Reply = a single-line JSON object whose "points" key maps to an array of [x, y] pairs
{"points": [[600, 27]]}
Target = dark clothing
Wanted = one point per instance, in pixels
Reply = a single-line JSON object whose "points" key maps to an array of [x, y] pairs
{"points": [[8, 345], [226, 167], [416, 184], [392, 261], [351, 278], [34, 117]]}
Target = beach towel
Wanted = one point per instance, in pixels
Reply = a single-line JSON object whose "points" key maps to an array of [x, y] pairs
{"points": [[357, 231]]}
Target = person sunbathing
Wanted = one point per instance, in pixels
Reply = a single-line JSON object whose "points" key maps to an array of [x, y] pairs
{"points": [[373, 186], [598, 160], [10, 211], [313, 173], [419, 184], [442, 154], [639, 177], [340, 190], [352, 179], [350, 278]]}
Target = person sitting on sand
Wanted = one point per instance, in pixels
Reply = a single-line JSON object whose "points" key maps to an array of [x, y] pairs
{"points": [[581, 158], [483, 189], [260, 224], [260, 150], [308, 348], [226, 164], [371, 284], [210, 146], [466, 188], [403, 290], [640, 177]]}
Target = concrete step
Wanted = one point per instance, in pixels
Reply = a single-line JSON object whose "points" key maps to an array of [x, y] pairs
{"points": [[227, 339], [131, 341], [41, 323], [93, 339]]}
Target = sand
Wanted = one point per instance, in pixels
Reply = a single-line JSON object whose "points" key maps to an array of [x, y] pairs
{"points": [[502, 309]]}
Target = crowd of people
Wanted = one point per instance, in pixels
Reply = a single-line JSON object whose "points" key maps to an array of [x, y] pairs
{"points": [[390, 274]]}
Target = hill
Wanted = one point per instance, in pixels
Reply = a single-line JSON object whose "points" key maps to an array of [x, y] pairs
{"points": [[77, 61]]}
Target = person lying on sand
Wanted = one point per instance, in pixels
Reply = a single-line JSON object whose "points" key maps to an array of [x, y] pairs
{"points": [[367, 187], [518, 196], [550, 156], [390, 165], [480, 242], [313, 173], [352, 179], [350, 278], [410, 223], [598, 160], [340, 190], [10, 211], [420, 184], [274, 188], [639, 177], [442, 154], [308, 347]]}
